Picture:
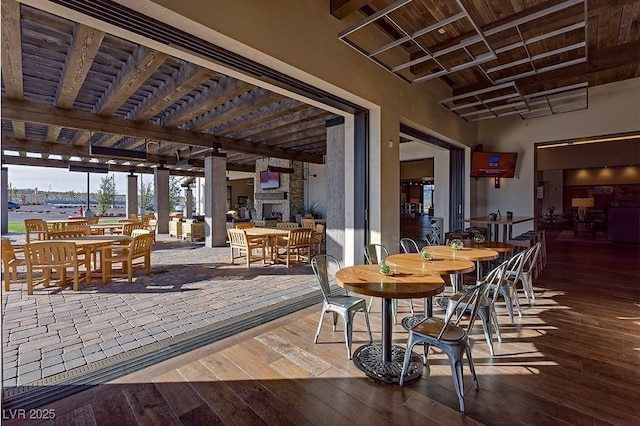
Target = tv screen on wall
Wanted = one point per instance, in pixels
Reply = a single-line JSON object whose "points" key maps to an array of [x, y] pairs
{"points": [[269, 180], [493, 164]]}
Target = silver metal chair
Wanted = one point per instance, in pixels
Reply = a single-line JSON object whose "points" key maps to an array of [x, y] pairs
{"points": [[526, 274], [486, 308], [409, 246], [450, 337], [375, 254], [339, 304], [508, 287]]}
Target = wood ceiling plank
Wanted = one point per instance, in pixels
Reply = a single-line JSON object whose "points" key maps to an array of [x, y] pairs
{"points": [[291, 129], [140, 66], [224, 90], [83, 50], [186, 79], [278, 124], [53, 133], [343, 8], [40, 113], [19, 129], [247, 102], [11, 50], [260, 117]]}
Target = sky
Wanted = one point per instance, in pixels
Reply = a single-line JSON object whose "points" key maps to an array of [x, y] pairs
{"points": [[47, 178]]}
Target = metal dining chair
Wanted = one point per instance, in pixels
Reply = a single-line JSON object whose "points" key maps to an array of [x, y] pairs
{"points": [[337, 303], [375, 254]]}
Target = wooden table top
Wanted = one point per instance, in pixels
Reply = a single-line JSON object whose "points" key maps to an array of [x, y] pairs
{"points": [[504, 221], [57, 221], [405, 284], [467, 253], [95, 240], [443, 265], [263, 232]]}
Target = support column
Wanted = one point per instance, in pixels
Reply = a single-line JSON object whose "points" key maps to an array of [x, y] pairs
{"points": [[132, 195], [161, 201], [336, 201], [215, 200], [188, 204], [4, 207]]}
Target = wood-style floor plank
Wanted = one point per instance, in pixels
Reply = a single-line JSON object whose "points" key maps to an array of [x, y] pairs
{"points": [[573, 358]]}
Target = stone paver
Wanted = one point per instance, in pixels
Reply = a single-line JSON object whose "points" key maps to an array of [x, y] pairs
{"points": [[190, 287]]}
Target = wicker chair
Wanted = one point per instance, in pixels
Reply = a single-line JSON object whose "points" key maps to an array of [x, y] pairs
{"points": [[296, 246], [60, 256], [339, 304], [11, 262], [245, 247], [139, 247]]}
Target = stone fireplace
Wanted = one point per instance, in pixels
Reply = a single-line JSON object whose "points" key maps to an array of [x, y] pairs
{"points": [[284, 200]]}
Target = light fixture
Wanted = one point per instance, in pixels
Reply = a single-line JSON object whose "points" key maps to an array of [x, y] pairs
{"points": [[126, 154], [582, 204], [88, 169], [308, 174]]}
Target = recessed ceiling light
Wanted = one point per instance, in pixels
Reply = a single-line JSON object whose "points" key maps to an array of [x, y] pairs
{"points": [[441, 30]]}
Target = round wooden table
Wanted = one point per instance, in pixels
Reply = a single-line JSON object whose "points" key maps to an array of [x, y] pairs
{"points": [[467, 253], [383, 362]]}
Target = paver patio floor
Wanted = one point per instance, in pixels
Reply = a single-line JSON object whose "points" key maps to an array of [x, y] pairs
{"points": [[190, 287]]}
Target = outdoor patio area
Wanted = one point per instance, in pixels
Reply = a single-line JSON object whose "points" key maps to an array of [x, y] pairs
{"points": [[191, 290]]}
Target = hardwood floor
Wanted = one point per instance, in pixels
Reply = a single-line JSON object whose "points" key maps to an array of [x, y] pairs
{"points": [[574, 358]]}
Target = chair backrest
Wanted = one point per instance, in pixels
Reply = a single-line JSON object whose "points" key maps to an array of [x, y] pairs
{"points": [[323, 265], [308, 222], [128, 228], [493, 281], [141, 244], [133, 216], [375, 253], [66, 233], [514, 265], [244, 225], [93, 220], [37, 227], [299, 237], [467, 303], [287, 225], [50, 254], [79, 227], [409, 245], [152, 224], [77, 217], [237, 237], [530, 257], [8, 254]]}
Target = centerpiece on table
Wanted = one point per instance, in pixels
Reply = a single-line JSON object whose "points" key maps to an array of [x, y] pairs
{"points": [[427, 255], [457, 244], [387, 270], [479, 238]]}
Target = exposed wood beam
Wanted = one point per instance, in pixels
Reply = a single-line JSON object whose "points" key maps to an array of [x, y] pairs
{"points": [[276, 125], [291, 129], [343, 8], [260, 117], [186, 79], [84, 47], [12, 50], [251, 101], [19, 129], [224, 90], [134, 74], [63, 164], [599, 60], [66, 150]]}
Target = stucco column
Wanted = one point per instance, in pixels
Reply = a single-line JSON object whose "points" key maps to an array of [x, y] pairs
{"points": [[336, 202], [215, 200], [132, 195], [4, 208], [161, 201], [188, 204]]}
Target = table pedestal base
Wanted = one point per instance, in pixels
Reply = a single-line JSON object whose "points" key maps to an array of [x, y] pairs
{"points": [[368, 359]]}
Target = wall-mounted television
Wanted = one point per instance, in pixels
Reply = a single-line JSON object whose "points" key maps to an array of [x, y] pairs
{"points": [[269, 180], [493, 164]]}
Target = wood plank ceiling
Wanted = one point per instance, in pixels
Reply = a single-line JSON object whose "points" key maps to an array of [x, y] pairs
{"points": [[66, 87], [500, 57]]}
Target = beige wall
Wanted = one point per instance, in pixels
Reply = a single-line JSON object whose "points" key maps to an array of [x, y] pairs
{"points": [[240, 187], [613, 108], [417, 169]]}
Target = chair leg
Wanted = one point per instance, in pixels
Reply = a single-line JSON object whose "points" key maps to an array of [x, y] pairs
{"points": [[315, 339], [455, 359], [472, 368], [335, 320], [508, 303], [370, 304], [407, 357], [366, 319], [394, 310], [413, 312], [494, 317], [348, 331], [486, 326]]}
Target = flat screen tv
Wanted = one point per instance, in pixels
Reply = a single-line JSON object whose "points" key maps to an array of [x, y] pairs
{"points": [[493, 164], [269, 180]]}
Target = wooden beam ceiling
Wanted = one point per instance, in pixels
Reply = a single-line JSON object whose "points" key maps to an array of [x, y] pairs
{"points": [[11, 50], [343, 8]]}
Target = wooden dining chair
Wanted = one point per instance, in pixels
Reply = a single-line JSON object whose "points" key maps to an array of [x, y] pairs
{"points": [[11, 262], [138, 247], [287, 225], [59, 256], [35, 230], [240, 246], [308, 222], [244, 225], [296, 246]]}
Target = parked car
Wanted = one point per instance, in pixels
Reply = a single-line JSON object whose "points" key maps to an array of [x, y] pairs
{"points": [[12, 205]]}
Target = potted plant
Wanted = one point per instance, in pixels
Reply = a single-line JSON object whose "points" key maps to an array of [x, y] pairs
{"points": [[387, 270], [457, 244]]}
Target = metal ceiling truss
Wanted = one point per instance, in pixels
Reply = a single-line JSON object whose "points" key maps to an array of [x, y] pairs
{"points": [[480, 105]]}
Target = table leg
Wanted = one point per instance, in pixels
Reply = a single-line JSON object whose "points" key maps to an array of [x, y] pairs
{"points": [[505, 232], [496, 232], [383, 362]]}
